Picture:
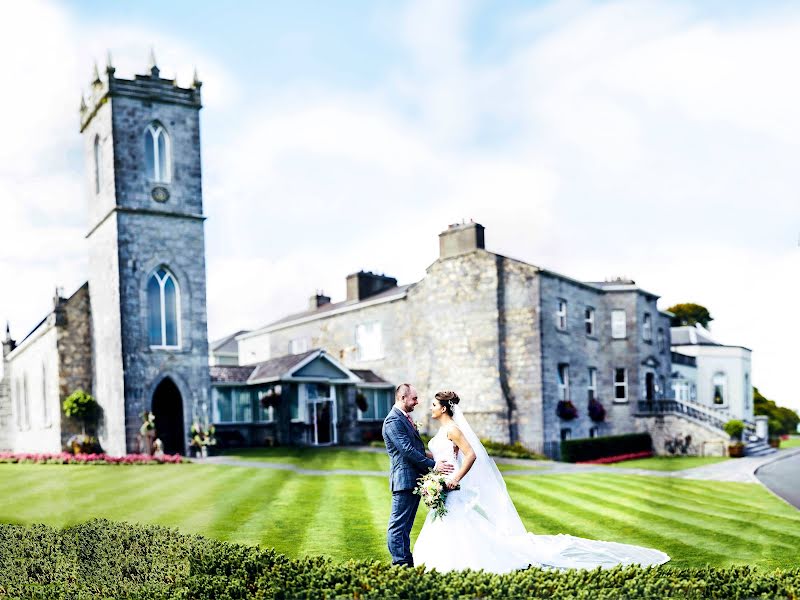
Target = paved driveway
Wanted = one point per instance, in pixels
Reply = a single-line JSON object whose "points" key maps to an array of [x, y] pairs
{"points": [[782, 476]]}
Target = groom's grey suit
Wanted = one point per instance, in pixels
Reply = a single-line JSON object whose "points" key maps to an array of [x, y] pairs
{"points": [[408, 463]]}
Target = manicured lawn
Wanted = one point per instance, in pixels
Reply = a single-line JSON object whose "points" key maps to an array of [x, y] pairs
{"points": [[792, 442], [669, 463], [696, 522], [330, 458]]}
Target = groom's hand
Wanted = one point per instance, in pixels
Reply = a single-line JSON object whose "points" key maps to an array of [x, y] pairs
{"points": [[443, 467]]}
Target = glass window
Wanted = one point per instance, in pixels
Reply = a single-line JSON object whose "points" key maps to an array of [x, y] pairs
{"points": [[299, 345], [561, 315], [719, 384], [618, 324], [647, 328], [592, 387], [163, 322], [222, 410], [98, 165], [660, 340], [242, 406], [45, 408], [566, 434], [748, 393], [379, 403], [157, 153], [592, 432], [563, 382], [620, 385], [589, 320], [369, 341]]}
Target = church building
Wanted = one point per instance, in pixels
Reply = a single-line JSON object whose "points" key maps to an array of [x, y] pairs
{"points": [[135, 335]]}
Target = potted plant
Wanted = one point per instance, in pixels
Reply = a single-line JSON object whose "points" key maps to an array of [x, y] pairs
{"points": [[272, 397], [566, 410], [735, 428], [82, 407], [597, 412], [202, 438]]}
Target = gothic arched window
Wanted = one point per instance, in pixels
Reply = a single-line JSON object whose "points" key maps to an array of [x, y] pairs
{"points": [[163, 306], [98, 165], [157, 152]]}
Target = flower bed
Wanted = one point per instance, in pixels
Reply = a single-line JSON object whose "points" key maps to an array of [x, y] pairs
{"points": [[65, 458], [618, 458]]}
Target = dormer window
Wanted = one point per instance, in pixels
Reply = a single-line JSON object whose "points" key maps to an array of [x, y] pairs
{"points": [[157, 153]]}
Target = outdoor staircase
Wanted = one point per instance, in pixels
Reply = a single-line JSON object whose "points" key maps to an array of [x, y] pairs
{"points": [[758, 447]]}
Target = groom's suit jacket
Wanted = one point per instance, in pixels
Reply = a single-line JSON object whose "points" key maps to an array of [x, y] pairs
{"points": [[406, 451]]}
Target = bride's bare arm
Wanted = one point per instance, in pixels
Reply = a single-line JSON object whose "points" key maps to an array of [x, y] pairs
{"points": [[455, 436]]}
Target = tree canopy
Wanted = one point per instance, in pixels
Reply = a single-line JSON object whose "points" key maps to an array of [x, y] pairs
{"points": [[782, 420], [689, 314]]}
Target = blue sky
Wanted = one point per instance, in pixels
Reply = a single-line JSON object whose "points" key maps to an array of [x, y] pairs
{"points": [[654, 140]]}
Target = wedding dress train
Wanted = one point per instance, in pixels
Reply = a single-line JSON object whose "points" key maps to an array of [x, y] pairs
{"points": [[482, 529]]}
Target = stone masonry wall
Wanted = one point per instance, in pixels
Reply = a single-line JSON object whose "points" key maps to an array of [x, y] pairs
{"points": [[706, 441]]}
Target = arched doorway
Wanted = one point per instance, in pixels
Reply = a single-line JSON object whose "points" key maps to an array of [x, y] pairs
{"points": [[168, 411]]}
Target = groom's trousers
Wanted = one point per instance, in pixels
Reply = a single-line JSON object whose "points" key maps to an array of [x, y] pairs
{"points": [[404, 509]]}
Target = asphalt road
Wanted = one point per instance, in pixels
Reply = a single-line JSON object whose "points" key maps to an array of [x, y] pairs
{"points": [[783, 477]]}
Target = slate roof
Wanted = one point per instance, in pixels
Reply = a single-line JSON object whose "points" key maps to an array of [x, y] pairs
{"points": [[230, 374], [691, 336], [278, 366], [370, 377], [400, 290], [228, 343]]}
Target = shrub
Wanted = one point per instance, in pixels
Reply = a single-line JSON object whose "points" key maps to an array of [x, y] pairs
{"points": [[82, 407], [601, 447], [734, 428], [102, 559], [515, 450]]}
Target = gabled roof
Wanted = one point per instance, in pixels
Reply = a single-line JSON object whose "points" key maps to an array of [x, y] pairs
{"points": [[228, 344], [220, 374], [368, 376], [300, 367]]}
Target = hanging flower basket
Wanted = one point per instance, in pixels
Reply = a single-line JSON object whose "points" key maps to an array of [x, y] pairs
{"points": [[566, 410], [271, 398], [361, 402], [597, 412]]}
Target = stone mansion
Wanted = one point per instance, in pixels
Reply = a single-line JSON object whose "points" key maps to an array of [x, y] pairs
{"points": [[517, 342]]}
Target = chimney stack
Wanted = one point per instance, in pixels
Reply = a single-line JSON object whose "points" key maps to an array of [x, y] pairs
{"points": [[363, 284], [461, 238], [317, 300]]}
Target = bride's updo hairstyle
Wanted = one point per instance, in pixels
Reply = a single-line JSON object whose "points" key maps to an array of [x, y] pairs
{"points": [[448, 400]]}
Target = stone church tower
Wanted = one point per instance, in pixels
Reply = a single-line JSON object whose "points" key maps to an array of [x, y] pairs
{"points": [[147, 277]]}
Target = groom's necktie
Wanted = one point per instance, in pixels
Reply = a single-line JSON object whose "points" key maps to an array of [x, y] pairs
{"points": [[408, 416]]}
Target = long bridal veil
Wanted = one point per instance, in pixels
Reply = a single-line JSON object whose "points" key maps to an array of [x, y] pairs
{"points": [[485, 492]]}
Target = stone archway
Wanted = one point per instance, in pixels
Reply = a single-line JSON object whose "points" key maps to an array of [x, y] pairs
{"points": [[168, 411]]}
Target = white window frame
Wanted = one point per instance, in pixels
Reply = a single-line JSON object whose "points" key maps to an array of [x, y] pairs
{"points": [[372, 350], [162, 282], [299, 345], [647, 327], [591, 388], [724, 377], [563, 381], [619, 326], [565, 433], [623, 384], [26, 401], [46, 416], [561, 315], [154, 130], [589, 321]]}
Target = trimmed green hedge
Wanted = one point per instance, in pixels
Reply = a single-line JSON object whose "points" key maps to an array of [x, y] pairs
{"points": [[601, 447], [101, 559]]}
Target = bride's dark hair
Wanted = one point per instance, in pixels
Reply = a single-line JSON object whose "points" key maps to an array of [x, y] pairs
{"points": [[448, 400]]}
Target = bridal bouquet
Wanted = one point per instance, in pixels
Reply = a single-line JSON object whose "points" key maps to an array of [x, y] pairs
{"points": [[432, 488]]}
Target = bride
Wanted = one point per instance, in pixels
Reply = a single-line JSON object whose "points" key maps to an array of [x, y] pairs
{"points": [[482, 529]]}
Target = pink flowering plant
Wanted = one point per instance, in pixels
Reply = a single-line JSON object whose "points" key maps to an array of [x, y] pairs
{"points": [[432, 489], [66, 458]]}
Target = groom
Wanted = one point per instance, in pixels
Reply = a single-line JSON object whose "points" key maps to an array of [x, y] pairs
{"points": [[408, 462]]}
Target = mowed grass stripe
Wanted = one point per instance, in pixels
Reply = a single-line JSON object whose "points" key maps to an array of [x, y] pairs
{"points": [[753, 520], [336, 526], [700, 536], [292, 509], [243, 513], [376, 504], [607, 523], [538, 517], [737, 493]]}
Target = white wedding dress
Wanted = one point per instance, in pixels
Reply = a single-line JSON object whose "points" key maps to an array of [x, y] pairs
{"points": [[482, 529]]}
